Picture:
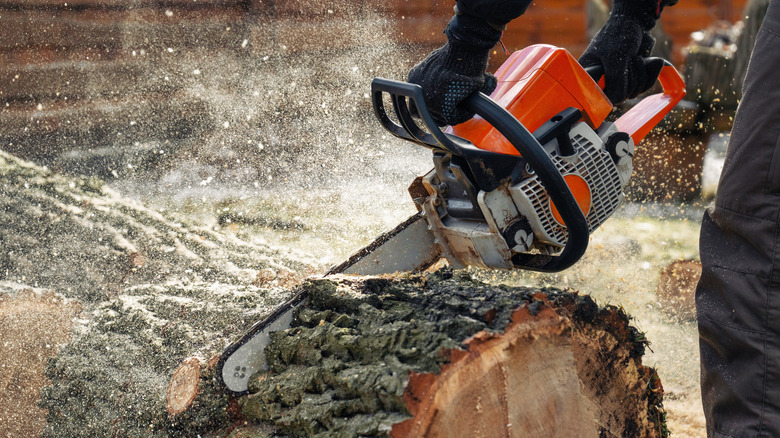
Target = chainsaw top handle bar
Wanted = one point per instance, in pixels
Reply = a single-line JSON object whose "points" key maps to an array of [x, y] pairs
{"points": [[640, 119], [490, 169]]}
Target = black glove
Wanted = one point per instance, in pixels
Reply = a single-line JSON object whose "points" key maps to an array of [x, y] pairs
{"points": [[455, 71], [621, 47]]}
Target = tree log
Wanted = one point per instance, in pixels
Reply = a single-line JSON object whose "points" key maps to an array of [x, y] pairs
{"points": [[367, 356], [443, 355]]}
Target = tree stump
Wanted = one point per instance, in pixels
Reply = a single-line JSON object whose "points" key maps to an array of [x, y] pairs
{"points": [[443, 355], [676, 289]]}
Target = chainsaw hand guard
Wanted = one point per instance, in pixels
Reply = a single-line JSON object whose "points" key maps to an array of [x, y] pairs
{"points": [[644, 116]]}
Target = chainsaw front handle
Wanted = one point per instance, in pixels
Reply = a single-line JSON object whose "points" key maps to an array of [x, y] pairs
{"points": [[645, 115], [490, 169]]}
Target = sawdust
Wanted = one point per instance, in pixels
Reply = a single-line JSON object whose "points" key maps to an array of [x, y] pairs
{"points": [[33, 326]]}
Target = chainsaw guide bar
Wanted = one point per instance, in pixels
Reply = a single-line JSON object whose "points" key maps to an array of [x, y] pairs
{"points": [[408, 247]]}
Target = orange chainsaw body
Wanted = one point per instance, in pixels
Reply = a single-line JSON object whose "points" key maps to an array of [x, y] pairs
{"points": [[536, 83]]}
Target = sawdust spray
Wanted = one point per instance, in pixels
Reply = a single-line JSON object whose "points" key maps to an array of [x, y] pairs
{"points": [[295, 140]]}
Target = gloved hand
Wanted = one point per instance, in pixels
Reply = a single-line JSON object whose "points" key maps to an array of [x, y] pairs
{"points": [[453, 72], [621, 47]]}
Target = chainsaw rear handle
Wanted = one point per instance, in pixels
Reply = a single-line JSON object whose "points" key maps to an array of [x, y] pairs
{"points": [[489, 168], [645, 115]]}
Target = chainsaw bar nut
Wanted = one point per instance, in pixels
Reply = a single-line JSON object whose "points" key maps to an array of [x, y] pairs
{"points": [[519, 236], [620, 147]]}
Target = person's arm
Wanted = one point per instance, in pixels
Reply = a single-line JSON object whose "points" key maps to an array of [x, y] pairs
{"points": [[495, 12], [453, 72]]}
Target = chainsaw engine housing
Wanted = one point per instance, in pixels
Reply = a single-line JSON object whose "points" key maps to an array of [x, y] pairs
{"points": [[519, 216]]}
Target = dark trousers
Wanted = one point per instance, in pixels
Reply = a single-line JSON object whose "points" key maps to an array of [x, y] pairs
{"points": [[738, 296]]}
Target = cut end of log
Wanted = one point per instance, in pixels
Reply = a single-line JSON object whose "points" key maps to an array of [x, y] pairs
{"points": [[183, 387], [543, 376], [676, 289], [495, 376]]}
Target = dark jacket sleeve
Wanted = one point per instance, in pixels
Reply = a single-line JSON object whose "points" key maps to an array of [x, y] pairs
{"points": [[646, 12], [500, 12], [495, 12]]}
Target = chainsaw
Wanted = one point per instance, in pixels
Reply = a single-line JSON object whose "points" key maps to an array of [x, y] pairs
{"points": [[521, 185]]}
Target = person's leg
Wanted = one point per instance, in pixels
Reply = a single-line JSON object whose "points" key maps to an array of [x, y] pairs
{"points": [[738, 296]]}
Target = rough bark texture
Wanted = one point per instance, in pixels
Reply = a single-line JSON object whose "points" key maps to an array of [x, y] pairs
{"points": [[411, 356]]}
